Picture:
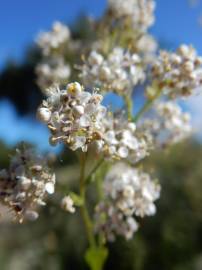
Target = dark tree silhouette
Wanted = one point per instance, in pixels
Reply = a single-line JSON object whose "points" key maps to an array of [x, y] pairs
{"points": [[18, 83]]}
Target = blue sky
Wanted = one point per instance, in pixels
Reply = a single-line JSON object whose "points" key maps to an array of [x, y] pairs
{"points": [[20, 22]]}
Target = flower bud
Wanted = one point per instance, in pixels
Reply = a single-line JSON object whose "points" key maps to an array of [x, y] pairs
{"points": [[67, 204], [74, 88], [95, 58], [78, 110], [105, 73], [44, 114], [132, 126], [31, 215], [189, 66]]}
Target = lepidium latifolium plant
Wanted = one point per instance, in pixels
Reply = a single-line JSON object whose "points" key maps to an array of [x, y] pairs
{"points": [[121, 57]]}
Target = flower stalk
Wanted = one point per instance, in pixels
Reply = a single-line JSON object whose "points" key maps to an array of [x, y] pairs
{"points": [[84, 209], [148, 104], [129, 106]]}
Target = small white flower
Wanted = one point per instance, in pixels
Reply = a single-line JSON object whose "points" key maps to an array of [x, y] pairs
{"points": [[79, 110], [95, 58], [123, 152], [44, 115], [132, 126], [67, 204], [50, 188], [31, 215], [129, 140], [110, 137]]}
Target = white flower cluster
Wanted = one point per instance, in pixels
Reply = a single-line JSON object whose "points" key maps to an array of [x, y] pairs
{"points": [[128, 192], [180, 73], [77, 118], [121, 141], [50, 41], [55, 71], [174, 121], [140, 12], [170, 125], [119, 72], [25, 184], [73, 116]]}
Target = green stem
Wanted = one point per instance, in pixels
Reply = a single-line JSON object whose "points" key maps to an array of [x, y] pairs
{"points": [[88, 178], [148, 104], [144, 109], [84, 210], [99, 187], [129, 106]]}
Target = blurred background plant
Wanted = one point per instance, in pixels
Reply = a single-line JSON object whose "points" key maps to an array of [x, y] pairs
{"points": [[170, 240]]}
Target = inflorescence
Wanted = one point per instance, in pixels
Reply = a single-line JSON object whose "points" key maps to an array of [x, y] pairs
{"points": [[24, 186], [122, 58]]}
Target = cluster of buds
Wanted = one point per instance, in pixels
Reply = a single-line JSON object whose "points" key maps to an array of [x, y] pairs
{"points": [[139, 12], [128, 192], [73, 116], [174, 121], [178, 74], [53, 67], [25, 184], [51, 72], [77, 118], [121, 141], [119, 72], [171, 125], [53, 40], [111, 222]]}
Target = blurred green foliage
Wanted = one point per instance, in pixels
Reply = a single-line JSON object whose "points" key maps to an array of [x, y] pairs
{"points": [[171, 240]]}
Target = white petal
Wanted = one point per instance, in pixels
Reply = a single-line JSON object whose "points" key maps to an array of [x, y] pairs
{"points": [[31, 215], [110, 137], [84, 121], [50, 188], [123, 152]]}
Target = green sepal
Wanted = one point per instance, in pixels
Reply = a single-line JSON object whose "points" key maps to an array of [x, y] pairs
{"points": [[96, 257], [78, 200]]}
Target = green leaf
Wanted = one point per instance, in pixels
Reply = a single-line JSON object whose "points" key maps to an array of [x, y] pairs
{"points": [[96, 257], [78, 201]]}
